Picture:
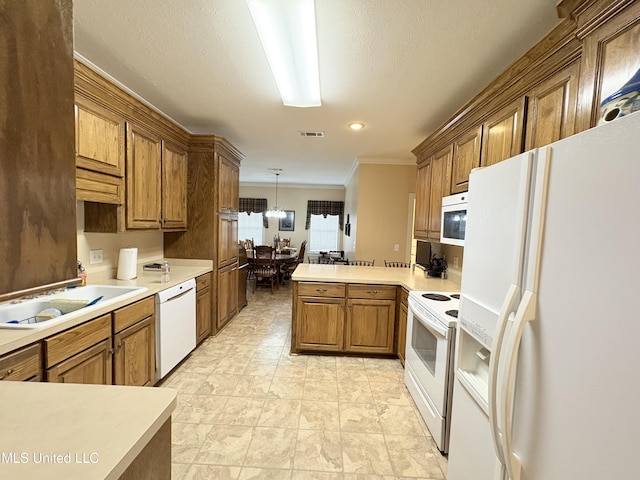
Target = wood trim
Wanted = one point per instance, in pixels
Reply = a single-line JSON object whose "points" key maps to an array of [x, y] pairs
{"points": [[107, 94], [591, 16]]}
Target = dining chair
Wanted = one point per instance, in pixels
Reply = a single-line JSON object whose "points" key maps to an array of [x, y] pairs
{"points": [[397, 264], [264, 267], [287, 269], [362, 263]]}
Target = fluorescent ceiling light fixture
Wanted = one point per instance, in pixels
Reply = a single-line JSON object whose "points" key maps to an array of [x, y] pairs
{"points": [[287, 30], [356, 125]]}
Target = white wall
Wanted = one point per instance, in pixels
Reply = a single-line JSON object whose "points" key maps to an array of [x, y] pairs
{"points": [[291, 198]]}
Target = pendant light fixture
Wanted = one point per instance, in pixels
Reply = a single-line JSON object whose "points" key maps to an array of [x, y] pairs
{"points": [[276, 212]]}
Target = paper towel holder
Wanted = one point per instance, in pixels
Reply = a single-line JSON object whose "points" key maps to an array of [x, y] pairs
{"points": [[127, 264]]}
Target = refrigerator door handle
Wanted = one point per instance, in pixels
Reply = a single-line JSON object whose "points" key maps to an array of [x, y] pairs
{"points": [[526, 313], [494, 362]]}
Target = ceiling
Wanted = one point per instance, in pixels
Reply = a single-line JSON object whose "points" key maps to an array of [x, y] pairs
{"points": [[402, 67]]}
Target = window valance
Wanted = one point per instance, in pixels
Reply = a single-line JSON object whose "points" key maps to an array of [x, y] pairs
{"points": [[324, 208], [255, 205]]}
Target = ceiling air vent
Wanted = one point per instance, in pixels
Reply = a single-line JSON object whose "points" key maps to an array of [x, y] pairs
{"points": [[311, 134]]}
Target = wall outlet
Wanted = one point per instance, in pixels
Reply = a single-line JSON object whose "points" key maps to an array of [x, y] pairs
{"points": [[396, 248], [95, 256], [455, 262]]}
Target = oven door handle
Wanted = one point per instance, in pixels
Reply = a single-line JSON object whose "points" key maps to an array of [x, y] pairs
{"points": [[432, 327]]}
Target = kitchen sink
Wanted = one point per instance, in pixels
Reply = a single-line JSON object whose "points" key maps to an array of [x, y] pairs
{"points": [[21, 314]]}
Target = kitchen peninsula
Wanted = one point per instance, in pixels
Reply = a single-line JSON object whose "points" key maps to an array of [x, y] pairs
{"points": [[355, 310]]}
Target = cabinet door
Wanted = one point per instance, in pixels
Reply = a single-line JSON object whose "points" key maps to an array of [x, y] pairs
{"points": [[503, 133], [609, 59], [92, 366], [174, 187], [227, 295], [320, 324], [203, 314], [423, 186], [370, 326], [551, 114], [440, 181], [99, 138], [466, 156], [144, 185], [228, 185], [227, 240], [135, 354]]}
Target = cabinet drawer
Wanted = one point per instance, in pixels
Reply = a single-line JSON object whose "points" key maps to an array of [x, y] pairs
{"points": [[404, 297], [381, 292], [21, 364], [203, 281], [313, 289], [127, 316], [66, 344]]}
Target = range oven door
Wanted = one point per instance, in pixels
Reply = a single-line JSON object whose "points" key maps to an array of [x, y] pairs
{"points": [[428, 355]]}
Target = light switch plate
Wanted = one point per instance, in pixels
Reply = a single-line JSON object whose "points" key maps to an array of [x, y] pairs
{"points": [[95, 256]]}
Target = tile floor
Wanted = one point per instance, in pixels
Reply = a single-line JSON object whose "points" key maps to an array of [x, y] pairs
{"points": [[247, 409]]}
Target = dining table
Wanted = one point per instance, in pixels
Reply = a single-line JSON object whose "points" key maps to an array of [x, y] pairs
{"points": [[282, 258]]}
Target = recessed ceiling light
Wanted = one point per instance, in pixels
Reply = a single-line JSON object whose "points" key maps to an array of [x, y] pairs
{"points": [[356, 125]]}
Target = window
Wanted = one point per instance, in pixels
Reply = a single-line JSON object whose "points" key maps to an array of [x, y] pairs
{"points": [[251, 227], [323, 233]]}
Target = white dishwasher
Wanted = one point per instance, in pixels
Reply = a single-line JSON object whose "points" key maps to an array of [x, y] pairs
{"points": [[175, 325]]}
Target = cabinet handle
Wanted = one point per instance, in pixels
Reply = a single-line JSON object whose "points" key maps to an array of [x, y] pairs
{"points": [[321, 290], [119, 346], [6, 374], [373, 292], [111, 351]]}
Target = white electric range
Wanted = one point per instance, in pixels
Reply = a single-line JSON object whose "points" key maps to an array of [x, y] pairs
{"points": [[429, 358]]}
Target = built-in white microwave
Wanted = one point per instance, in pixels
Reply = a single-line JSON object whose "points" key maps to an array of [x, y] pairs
{"points": [[453, 223]]}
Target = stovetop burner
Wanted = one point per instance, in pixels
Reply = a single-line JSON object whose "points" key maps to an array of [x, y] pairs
{"points": [[453, 313], [455, 295], [436, 296]]}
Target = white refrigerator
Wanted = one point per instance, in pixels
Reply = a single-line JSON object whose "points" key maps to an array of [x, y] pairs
{"points": [[548, 357]]}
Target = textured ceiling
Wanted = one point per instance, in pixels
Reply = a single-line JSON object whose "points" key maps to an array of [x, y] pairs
{"points": [[400, 66]]}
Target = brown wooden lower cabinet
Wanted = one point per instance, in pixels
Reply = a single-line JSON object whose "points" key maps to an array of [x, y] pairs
{"points": [[91, 366], [203, 307], [227, 294], [22, 365], [134, 361], [335, 317]]}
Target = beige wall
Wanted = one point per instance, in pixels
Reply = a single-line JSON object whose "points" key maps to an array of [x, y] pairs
{"points": [[149, 245], [291, 198], [383, 211], [351, 208]]}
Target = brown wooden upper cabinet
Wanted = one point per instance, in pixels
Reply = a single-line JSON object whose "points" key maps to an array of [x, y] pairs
{"points": [[439, 187], [100, 138], [144, 181], [551, 112], [503, 133], [433, 183], [609, 58], [466, 156], [228, 193], [423, 183], [174, 187]]}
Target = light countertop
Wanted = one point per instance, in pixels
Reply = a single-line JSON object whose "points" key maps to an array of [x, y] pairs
{"points": [[406, 277], [181, 270], [95, 431]]}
